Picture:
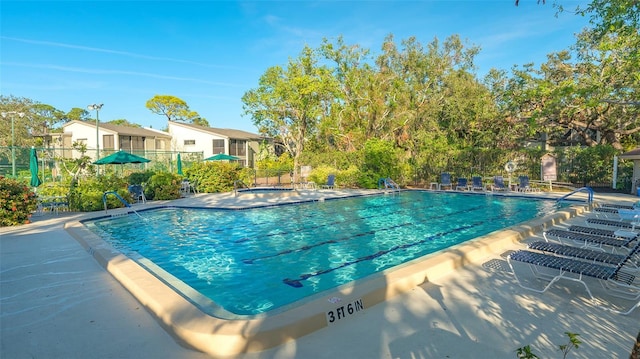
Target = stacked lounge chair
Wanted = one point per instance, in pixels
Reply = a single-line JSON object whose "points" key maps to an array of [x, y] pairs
{"points": [[588, 240], [573, 264], [579, 252]]}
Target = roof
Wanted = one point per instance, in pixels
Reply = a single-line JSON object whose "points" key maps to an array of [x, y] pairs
{"points": [[631, 155], [126, 130], [225, 132]]}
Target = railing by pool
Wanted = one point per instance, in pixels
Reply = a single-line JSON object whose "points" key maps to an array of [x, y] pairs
{"points": [[588, 190]]}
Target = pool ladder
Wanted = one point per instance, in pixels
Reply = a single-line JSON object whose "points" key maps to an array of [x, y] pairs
{"points": [[238, 184], [388, 183], [127, 204], [588, 190]]}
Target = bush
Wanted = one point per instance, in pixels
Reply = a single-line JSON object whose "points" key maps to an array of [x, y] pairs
{"points": [[380, 161], [87, 195], [215, 176], [140, 177], [17, 202], [162, 186]]}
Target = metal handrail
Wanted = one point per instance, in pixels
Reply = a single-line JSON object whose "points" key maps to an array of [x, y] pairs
{"points": [[236, 185], [589, 191], [388, 183], [127, 204]]}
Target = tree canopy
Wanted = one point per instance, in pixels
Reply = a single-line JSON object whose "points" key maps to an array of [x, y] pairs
{"points": [[174, 109]]}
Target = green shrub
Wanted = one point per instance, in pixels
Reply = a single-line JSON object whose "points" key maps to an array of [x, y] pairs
{"points": [[380, 160], [17, 202], [87, 195], [163, 186], [216, 176], [344, 178], [140, 177]]}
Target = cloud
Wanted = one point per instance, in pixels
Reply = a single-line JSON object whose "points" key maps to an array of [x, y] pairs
{"points": [[115, 52], [120, 72]]}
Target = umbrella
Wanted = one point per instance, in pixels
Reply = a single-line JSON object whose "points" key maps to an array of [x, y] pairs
{"points": [[222, 157], [121, 157], [33, 167], [179, 165]]}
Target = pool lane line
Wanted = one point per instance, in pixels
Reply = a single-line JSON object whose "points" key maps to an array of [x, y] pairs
{"points": [[311, 215], [307, 228], [297, 283], [307, 247], [347, 238]]}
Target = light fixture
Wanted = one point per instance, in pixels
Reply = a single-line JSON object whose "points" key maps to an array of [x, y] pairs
{"points": [[97, 108], [13, 140]]}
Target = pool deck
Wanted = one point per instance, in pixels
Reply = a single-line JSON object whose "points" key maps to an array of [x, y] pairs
{"points": [[58, 301]]}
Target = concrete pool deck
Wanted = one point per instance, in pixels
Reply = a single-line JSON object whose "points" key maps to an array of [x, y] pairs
{"points": [[58, 302]]}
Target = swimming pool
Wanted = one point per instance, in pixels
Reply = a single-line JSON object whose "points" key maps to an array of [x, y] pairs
{"points": [[255, 261]]}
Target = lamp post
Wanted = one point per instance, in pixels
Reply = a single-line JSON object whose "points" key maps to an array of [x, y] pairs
{"points": [[97, 109], [13, 138]]}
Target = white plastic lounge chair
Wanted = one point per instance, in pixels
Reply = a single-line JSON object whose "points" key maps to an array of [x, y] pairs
{"points": [[498, 184], [613, 223], [445, 181], [604, 232], [462, 184], [588, 240], [585, 253], [615, 279]]}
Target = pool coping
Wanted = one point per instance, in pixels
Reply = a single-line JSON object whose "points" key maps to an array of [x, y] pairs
{"points": [[221, 337]]}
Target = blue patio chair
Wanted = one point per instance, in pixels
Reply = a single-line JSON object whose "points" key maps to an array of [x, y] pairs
{"points": [[331, 181], [525, 185], [462, 184], [137, 192], [445, 181], [498, 184], [476, 183]]}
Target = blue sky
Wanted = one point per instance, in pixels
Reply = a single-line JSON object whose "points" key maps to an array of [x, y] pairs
{"points": [[209, 53]]}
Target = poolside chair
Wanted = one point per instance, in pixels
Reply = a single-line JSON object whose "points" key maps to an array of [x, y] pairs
{"points": [[604, 232], [613, 223], [331, 179], [476, 183], [462, 184], [498, 184], [445, 181], [525, 185], [585, 253], [588, 240], [614, 278], [137, 192]]}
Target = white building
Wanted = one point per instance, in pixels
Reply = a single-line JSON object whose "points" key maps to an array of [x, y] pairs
{"points": [[110, 138], [212, 141]]}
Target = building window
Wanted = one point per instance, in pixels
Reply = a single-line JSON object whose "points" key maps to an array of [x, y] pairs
{"points": [[237, 147], [137, 143], [125, 143], [81, 141], [218, 147], [108, 142], [189, 142]]}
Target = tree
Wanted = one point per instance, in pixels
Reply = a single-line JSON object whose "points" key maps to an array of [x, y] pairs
{"points": [[289, 103], [175, 109], [46, 117], [21, 124], [124, 122], [78, 114]]}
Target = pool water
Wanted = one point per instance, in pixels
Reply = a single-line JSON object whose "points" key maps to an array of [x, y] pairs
{"points": [[253, 261]]}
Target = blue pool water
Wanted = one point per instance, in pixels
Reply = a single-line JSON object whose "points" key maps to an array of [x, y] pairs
{"points": [[255, 260]]}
